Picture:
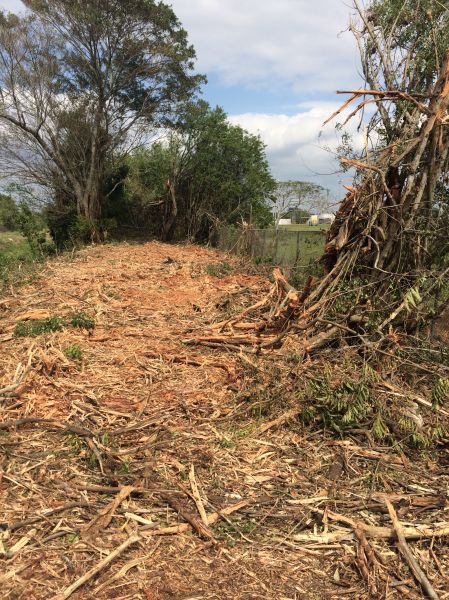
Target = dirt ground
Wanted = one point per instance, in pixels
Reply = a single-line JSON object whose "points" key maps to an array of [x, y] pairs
{"points": [[138, 439]]}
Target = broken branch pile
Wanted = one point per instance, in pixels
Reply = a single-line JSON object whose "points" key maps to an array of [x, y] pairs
{"points": [[383, 262]]}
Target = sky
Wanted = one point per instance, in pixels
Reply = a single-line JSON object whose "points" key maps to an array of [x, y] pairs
{"points": [[274, 66]]}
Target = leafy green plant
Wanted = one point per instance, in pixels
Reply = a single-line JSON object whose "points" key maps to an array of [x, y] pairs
{"points": [[440, 393], [74, 352], [76, 443], [340, 405], [82, 321], [36, 327]]}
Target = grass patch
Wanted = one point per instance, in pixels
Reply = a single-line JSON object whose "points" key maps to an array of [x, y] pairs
{"points": [[218, 269], [17, 263], [37, 327], [304, 227]]}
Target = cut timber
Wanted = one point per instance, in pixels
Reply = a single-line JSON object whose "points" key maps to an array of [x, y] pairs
{"points": [[419, 532]]}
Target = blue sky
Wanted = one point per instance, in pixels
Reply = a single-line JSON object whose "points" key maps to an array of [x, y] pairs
{"points": [[274, 66]]}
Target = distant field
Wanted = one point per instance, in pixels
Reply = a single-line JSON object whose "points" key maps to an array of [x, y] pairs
{"points": [[295, 245], [301, 227]]}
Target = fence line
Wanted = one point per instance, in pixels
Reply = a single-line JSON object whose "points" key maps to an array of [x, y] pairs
{"points": [[279, 246]]}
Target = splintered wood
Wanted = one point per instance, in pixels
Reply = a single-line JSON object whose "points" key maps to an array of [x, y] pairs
{"points": [[145, 470], [271, 318]]}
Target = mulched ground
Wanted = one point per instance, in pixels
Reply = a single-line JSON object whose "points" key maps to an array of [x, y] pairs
{"points": [[137, 440]]}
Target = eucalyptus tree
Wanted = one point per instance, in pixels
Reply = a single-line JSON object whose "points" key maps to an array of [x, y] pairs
{"points": [[84, 80]]}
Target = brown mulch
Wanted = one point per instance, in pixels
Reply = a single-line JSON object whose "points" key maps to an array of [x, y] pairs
{"points": [[115, 445]]}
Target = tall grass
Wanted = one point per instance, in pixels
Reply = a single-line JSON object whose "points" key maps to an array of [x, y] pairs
{"points": [[17, 262]]}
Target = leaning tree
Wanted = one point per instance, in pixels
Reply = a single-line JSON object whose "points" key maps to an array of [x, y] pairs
{"points": [[81, 81], [386, 261]]}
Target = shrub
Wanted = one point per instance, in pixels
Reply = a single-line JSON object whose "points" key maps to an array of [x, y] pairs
{"points": [[33, 230], [218, 269]]}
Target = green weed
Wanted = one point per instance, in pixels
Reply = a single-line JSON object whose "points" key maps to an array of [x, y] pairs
{"points": [[76, 443], [82, 321], [36, 327], [74, 352], [264, 260]]}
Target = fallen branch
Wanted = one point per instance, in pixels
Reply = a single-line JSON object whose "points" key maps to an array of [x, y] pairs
{"points": [[19, 377], [407, 554], [291, 414], [105, 516], [202, 529], [98, 567], [45, 515], [197, 496], [419, 532], [185, 527]]}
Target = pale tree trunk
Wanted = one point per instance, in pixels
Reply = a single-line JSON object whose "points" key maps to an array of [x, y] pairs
{"points": [[170, 212]]}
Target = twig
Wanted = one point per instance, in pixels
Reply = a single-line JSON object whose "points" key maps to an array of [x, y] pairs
{"points": [[184, 527], [202, 529], [46, 514], [197, 496], [291, 414], [98, 567], [407, 554]]}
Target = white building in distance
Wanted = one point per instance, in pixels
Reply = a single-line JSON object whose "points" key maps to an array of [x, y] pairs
{"points": [[324, 219]]}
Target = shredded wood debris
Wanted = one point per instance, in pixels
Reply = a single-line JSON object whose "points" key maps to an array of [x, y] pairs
{"points": [[142, 471]]}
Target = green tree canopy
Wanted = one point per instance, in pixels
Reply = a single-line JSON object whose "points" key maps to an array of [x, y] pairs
{"points": [[9, 213], [81, 80], [205, 173]]}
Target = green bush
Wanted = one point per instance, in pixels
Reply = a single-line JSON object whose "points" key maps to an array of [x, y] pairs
{"points": [[218, 269], [32, 227], [9, 213]]}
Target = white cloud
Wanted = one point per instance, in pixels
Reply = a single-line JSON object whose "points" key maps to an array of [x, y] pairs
{"points": [[296, 43], [297, 144], [272, 42], [11, 5]]}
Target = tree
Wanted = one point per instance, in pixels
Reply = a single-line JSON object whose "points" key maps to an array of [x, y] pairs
{"points": [[295, 196], [81, 81], [206, 173]]}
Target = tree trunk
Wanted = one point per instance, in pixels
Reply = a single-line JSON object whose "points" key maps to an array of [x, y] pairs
{"points": [[170, 213]]}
